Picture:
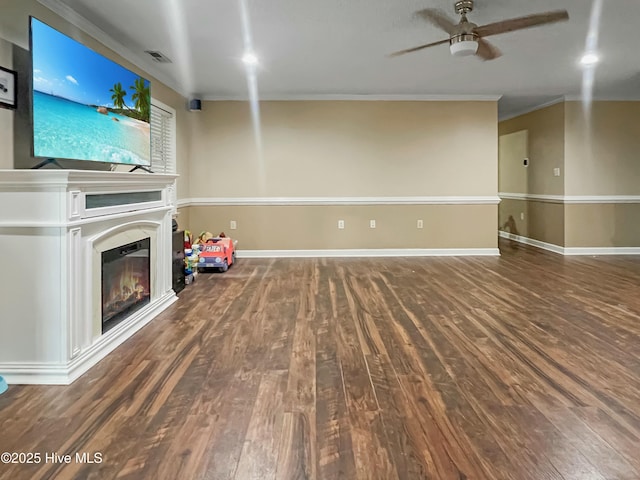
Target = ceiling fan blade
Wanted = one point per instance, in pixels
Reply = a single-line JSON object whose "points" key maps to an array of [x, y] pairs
{"points": [[439, 19], [487, 51], [414, 49], [521, 23]]}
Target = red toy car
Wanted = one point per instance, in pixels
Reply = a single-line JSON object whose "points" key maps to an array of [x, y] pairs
{"points": [[217, 253]]}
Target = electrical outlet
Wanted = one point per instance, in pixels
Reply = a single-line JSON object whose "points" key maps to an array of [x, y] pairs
{"points": [[420, 224], [521, 215], [372, 224], [233, 225], [341, 224], [556, 172]]}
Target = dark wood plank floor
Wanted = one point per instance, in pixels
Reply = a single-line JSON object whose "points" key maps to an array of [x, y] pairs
{"points": [[524, 367]]}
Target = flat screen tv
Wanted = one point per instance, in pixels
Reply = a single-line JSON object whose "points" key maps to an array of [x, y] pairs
{"points": [[85, 106]]}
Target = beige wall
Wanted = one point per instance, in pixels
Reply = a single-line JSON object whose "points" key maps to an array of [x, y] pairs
{"points": [[603, 158], [539, 136], [513, 149], [315, 227], [346, 148], [543, 221], [602, 225], [509, 217], [14, 30], [184, 219], [547, 222], [603, 148], [545, 129]]}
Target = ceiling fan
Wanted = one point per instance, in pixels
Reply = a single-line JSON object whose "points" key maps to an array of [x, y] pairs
{"points": [[467, 38]]}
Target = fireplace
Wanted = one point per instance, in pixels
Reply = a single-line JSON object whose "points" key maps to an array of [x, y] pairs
{"points": [[125, 281], [62, 325]]}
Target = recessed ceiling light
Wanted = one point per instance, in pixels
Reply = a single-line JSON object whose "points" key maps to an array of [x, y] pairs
{"points": [[250, 59], [589, 59]]}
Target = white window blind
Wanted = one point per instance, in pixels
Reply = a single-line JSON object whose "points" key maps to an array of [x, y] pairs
{"points": [[163, 138], [163, 144]]}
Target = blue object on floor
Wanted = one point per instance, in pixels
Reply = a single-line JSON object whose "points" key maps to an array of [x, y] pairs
{"points": [[3, 385]]}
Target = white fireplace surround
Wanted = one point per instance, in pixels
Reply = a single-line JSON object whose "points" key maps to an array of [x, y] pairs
{"points": [[115, 237], [51, 244]]}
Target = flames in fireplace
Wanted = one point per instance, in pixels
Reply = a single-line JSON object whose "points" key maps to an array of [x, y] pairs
{"points": [[125, 282], [128, 286]]}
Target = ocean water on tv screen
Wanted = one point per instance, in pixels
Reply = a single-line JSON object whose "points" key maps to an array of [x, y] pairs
{"points": [[66, 129]]}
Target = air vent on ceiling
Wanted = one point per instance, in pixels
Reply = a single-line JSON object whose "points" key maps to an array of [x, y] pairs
{"points": [[158, 56]]}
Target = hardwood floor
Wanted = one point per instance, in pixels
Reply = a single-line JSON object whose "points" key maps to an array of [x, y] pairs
{"points": [[523, 367]]}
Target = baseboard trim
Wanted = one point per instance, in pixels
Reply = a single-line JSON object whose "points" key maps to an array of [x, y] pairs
{"points": [[602, 251], [65, 374], [533, 242], [35, 374], [571, 251], [370, 252], [101, 349]]}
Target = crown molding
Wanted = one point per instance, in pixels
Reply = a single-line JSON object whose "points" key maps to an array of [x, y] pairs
{"points": [[602, 98], [565, 98], [356, 97], [105, 39], [524, 111], [326, 201]]}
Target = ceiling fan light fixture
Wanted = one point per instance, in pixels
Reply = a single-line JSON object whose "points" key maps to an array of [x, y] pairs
{"points": [[468, 39], [464, 45]]}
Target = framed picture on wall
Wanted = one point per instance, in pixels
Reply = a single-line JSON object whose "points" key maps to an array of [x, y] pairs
{"points": [[7, 88]]}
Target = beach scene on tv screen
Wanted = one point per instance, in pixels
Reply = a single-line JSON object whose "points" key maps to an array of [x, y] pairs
{"points": [[85, 106]]}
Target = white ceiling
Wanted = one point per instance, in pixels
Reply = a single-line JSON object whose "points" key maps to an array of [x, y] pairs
{"points": [[340, 47]]}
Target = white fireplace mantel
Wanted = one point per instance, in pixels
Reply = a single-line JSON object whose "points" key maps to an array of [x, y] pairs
{"points": [[53, 226]]}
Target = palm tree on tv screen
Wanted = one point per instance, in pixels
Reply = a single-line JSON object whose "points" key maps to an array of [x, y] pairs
{"points": [[118, 95], [142, 98]]}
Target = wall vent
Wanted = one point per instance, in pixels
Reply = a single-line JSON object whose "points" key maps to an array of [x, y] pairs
{"points": [[158, 56]]}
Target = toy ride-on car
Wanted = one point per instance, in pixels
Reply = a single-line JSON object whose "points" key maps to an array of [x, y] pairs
{"points": [[217, 253]]}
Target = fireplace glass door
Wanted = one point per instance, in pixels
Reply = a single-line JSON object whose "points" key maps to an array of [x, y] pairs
{"points": [[125, 281]]}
